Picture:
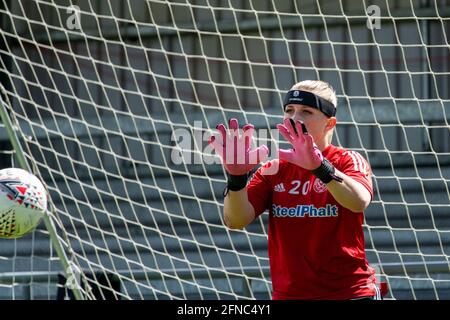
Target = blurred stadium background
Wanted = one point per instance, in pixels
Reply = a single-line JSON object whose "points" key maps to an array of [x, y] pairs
{"points": [[95, 94]]}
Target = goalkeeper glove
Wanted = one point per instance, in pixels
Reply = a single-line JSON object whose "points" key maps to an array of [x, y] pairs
{"points": [[236, 154], [305, 152]]}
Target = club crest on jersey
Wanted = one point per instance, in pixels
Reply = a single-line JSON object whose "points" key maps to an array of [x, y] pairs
{"points": [[319, 186]]}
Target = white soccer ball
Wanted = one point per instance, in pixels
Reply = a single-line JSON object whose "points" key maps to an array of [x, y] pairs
{"points": [[23, 201]]}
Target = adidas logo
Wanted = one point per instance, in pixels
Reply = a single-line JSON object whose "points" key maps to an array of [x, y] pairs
{"points": [[279, 188]]}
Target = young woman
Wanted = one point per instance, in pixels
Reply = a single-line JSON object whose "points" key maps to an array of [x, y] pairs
{"points": [[316, 199]]}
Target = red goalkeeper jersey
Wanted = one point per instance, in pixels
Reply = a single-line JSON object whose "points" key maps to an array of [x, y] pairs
{"points": [[316, 246]]}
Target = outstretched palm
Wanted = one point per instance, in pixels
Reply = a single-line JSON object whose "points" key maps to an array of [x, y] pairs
{"points": [[234, 148], [304, 153]]}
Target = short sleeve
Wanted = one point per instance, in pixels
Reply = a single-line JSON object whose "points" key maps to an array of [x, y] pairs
{"points": [[259, 190], [355, 166]]}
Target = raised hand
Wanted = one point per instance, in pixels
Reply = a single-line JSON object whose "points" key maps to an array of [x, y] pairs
{"points": [[234, 148], [304, 152]]}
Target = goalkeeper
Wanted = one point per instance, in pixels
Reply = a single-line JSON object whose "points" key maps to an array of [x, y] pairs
{"points": [[316, 199]]}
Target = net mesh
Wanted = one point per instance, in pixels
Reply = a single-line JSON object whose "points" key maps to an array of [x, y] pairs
{"points": [[101, 92]]}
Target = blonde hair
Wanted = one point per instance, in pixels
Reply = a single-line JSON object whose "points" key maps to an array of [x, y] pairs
{"points": [[321, 88]]}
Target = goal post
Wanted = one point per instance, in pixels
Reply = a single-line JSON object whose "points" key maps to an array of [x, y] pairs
{"points": [[113, 103], [23, 163]]}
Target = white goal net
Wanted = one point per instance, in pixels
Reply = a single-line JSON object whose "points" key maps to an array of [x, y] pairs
{"points": [[113, 102]]}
